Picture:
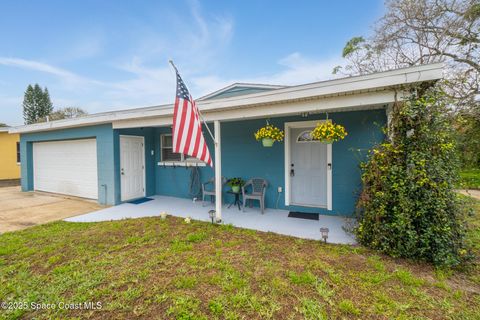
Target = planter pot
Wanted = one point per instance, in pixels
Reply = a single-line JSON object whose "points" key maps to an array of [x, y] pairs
{"points": [[327, 141], [267, 142], [236, 189]]}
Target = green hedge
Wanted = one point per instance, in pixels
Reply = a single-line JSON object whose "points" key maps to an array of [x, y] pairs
{"points": [[408, 207]]}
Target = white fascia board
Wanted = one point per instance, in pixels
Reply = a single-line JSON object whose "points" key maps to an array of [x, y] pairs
{"points": [[375, 81], [334, 87], [361, 101]]}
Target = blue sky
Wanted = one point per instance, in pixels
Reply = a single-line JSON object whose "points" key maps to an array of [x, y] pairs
{"points": [[107, 55]]}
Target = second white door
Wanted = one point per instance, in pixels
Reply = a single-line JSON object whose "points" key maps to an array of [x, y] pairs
{"points": [[132, 167], [308, 169]]}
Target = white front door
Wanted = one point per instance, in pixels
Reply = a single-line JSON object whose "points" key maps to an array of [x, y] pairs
{"points": [[309, 168], [132, 167]]}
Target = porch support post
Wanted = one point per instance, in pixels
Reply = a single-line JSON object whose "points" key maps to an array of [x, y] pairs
{"points": [[218, 171]]}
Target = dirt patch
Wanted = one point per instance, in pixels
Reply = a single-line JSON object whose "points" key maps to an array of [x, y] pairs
{"points": [[9, 183], [20, 210], [471, 193]]}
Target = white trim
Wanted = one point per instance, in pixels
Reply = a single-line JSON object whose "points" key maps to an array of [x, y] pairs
{"points": [[218, 170], [304, 124], [346, 86], [353, 102], [144, 164], [329, 177], [181, 164], [241, 85]]}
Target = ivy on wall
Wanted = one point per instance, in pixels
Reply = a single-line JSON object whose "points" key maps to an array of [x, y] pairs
{"points": [[408, 206]]}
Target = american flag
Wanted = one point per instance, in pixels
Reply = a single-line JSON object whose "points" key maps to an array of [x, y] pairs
{"points": [[187, 133]]}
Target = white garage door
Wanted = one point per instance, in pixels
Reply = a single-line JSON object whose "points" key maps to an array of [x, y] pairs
{"points": [[66, 167]]}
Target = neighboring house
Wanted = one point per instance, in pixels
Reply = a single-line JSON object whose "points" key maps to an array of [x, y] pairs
{"points": [[119, 156], [9, 154]]}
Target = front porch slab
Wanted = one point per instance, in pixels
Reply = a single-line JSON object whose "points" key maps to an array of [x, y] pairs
{"points": [[273, 220]]}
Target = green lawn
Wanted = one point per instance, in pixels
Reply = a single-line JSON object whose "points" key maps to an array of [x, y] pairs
{"points": [[148, 268], [470, 179]]}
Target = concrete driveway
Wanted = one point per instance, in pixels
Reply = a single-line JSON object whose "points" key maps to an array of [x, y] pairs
{"points": [[19, 210]]}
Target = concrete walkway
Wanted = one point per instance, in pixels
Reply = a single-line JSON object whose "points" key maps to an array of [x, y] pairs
{"points": [[19, 210], [472, 193], [273, 220]]}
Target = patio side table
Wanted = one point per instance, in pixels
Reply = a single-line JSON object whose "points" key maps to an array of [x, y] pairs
{"points": [[237, 199]]}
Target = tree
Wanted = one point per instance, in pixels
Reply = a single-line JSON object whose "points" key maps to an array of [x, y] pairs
{"points": [[65, 113], [408, 206], [29, 111], [2, 125], [36, 104], [420, 32]]}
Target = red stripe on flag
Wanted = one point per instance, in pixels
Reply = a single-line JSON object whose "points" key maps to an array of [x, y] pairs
{"points": [[204, 151], [197, 142], [182, 125], [190, 131], [187, 128]]}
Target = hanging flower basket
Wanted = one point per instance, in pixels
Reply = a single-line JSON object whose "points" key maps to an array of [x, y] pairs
{"points": [[268, 135], [328, 132], [267, 142]]}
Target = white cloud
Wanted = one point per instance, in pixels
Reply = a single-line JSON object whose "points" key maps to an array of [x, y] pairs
{"points": [[197, 44], [68, 78], [39, 66], [294, 69], [153, 86]]}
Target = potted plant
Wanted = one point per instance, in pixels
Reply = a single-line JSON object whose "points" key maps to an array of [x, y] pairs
{"points": [[328, 132], [235, 183], [269, 134]]}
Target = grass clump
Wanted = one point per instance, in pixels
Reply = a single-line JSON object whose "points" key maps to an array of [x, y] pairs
{"points": [[347, 307]]}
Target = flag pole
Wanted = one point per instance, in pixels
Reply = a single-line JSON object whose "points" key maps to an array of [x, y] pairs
{"points": [[199, 113]]}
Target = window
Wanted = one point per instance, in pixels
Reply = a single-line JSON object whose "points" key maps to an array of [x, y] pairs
{"points": [[305, 136], [18, 152], [167, 153], [167, 149]]}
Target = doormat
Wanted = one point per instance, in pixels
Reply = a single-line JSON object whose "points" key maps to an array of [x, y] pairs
{"points": [[141, 200], [303, 215]]}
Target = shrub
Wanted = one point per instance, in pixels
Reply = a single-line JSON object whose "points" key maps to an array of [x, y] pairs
{"points": [[408, 207]]}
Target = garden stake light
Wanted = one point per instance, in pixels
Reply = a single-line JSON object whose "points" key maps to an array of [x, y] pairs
{"points": [[324, 232], [212, 213]]}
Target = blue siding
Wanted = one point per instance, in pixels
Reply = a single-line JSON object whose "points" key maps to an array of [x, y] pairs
{"points": [[176, 181], [244, 157], [105, 156]]}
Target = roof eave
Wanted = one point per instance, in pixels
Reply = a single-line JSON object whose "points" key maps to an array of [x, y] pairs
{"points": [[377, 81]]}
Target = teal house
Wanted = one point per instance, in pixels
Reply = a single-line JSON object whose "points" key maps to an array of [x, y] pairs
{"points": [[117, 157]]}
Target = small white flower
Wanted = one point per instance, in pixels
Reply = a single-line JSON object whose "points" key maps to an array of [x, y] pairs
{"points": [[187, 220]]}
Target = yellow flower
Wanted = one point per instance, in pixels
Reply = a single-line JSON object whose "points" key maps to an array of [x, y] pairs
{"points": [[269, 131]]}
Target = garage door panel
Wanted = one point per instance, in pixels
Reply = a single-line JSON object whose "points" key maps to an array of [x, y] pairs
{"points": [[66, 167]]}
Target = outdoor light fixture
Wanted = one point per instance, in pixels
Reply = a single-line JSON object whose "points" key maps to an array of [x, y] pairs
{"points": [[163, 215], [212, 213], [324, 232]]}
